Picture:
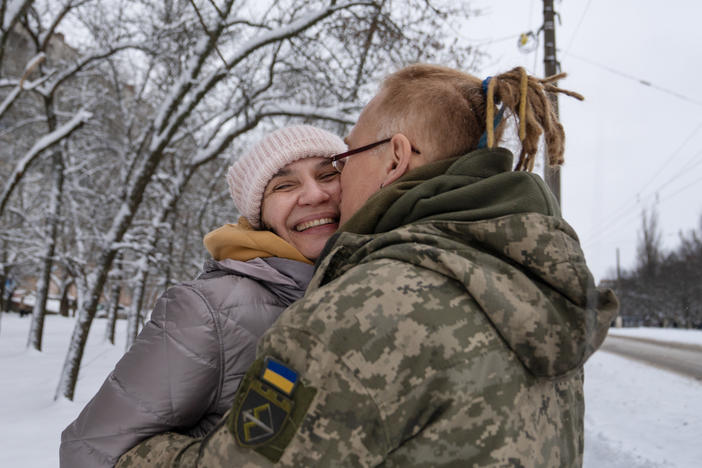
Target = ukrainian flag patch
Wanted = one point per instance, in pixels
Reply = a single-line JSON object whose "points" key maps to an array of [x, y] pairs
{"points": [[279, 376]]}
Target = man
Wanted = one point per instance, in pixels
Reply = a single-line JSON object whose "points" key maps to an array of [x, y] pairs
{"points": [[448, 323]]}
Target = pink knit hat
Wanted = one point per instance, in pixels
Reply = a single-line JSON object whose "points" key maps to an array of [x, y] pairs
{"points": [[250, 174]]}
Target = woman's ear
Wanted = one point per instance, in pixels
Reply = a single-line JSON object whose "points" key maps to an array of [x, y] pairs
{"points": [[401, 158]]}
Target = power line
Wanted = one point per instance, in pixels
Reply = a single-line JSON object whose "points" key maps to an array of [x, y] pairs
{"points": [[628, 205], [624, 212], [686, 167], [577, 28], [641, 81], [696, 181], [670, 158], [629, 213], [615, 225], [662, 199], [610, 227]]}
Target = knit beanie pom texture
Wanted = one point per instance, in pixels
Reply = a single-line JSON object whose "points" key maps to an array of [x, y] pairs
{"points": [[249, 175]]}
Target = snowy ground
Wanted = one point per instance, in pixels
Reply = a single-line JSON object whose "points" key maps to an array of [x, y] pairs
{"points": [[636, 416]]}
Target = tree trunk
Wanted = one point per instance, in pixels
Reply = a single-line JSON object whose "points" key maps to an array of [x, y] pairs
{"points": [[64, 303], [69, 373], [137, 301], [2, 294], [86, 313], [112, 313], [167, 272], [3, 301], [36, 331]]}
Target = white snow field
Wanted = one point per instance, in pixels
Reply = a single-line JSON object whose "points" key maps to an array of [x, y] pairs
{"points": [[636, 416]]}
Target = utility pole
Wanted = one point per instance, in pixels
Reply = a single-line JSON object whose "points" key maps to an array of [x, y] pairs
{"points": [[552, 175]]}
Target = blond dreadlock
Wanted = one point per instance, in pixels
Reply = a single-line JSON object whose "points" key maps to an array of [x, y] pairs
{"points": [[447, 111], [526, 98]]}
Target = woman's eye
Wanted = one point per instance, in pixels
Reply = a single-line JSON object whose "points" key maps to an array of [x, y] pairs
{"points": [[329, 175], [281, 186]]}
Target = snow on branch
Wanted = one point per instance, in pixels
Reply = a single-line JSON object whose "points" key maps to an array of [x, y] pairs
{"points": [[46, 35], [180, 90], [338, 114], [45, 142], [20, 85], [288, 30], [9, 99], [13, 10], [178, 104], [218, 145], [31, 65], [88, 59]]}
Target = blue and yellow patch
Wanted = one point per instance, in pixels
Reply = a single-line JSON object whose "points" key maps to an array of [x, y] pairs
{"points": [[278, 375]]}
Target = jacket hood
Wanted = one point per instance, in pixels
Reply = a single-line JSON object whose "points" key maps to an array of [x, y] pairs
{"points": [[500, 235], [287, 279]]}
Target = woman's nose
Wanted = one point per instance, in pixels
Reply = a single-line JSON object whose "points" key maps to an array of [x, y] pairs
{"points": [[313, 193]]}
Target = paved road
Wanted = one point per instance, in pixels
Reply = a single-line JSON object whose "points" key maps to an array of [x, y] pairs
{"points": [[676, 357]]}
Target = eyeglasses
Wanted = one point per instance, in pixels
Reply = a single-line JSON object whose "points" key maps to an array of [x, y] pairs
{"points": [[338, 159]]}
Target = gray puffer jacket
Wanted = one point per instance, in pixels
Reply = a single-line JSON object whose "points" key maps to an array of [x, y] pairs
{"points": [[184, 368]]}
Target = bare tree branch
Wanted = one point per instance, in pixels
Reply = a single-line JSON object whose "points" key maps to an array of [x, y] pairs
{"points": [[40, 146]]}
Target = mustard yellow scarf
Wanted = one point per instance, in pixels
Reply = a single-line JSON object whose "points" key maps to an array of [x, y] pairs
{"points": [[242, 242]]}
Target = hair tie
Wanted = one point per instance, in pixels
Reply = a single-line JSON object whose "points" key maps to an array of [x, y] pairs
{"points": [[486, 83], [491, 120]]}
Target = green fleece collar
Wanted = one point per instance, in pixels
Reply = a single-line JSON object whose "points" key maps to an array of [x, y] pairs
{"points": [[478, 185]]}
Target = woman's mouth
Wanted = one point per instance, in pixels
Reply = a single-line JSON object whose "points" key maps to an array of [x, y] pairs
{"points": [[314, 223]]}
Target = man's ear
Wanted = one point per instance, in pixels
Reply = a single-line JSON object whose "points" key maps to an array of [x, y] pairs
{"points": [[401, 158]]}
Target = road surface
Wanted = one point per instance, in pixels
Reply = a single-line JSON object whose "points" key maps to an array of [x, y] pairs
{"points": [[685, 359]]}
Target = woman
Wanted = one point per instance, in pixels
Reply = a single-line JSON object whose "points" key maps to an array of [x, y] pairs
{"points": [[184, 368]]}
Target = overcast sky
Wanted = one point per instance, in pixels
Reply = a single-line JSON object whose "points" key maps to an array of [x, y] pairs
{"points": [[629, 146]]}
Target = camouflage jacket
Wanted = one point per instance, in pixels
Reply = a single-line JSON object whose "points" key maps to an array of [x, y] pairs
{"points": [[447, 326]]}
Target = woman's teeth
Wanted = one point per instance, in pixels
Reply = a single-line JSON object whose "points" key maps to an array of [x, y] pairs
{"points": [[313, 223]]}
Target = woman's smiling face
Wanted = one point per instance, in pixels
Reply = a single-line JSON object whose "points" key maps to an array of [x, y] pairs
{"points": [[301, 204]]}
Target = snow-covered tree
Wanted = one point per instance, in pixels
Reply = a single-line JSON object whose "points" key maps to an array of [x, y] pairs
{"points": [[649, 249], [665, 288], [117, 143]]}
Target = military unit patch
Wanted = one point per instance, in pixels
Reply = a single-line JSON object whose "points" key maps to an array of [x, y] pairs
{"points": [[266, 406], [269, 407]]}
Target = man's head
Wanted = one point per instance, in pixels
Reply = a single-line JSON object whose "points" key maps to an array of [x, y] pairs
{"points": [[437, 110], [442, 113]]}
